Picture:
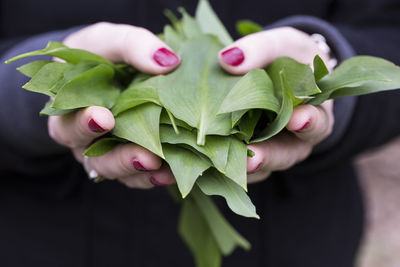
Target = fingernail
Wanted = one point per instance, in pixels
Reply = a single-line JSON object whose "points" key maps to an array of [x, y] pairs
{"points": [[95, 127], [138, 166], [303, 127], [256, 169], [165, 57], [233, 56], [155, 182]]}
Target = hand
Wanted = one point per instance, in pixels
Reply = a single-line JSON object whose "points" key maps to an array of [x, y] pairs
{"points": [[308, 125], [131, 164]]}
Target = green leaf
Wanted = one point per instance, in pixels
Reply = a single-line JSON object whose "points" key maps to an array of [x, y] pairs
{"points": [[246, 27], [30, 69], [61, 51], [49, 111], [357, 76], [253, 90], [237, 160], [200, 85], [102, 146], [320, 70], [226, 236], [283, 117], [195, 231], [210, 23], [190, 26], [185, 165], [166, 118], [47, 78], [93, 88], [173, 38], [140, 125], [248, 124], [215, 183], [216, 148], [299, 78]]}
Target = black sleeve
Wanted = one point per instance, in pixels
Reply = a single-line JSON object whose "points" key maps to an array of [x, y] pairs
{"points": [[23, 134]]}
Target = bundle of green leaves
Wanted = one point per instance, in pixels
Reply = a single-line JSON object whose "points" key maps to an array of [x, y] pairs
{"points": [[198, 118]]}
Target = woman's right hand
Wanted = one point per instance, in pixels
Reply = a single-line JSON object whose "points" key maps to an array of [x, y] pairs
{"points": [[131, 164]]}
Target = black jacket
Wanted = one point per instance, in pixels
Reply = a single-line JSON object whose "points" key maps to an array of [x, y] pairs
{"points": [[312, 214]]}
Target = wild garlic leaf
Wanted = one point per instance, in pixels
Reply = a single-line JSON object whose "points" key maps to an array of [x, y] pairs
{"points": [[195, 231], [199, 84], [320, 70], [93, 88], [140, 125], [283, 117], [248, 123], [165, 118], [61, 51], [173, 38], [185, 165], [226, 236], [216, 147], [357, 76], [299, 77], [246, 27], [210, 23], [190, 26], [47, 78], [236, 165], [253, 90], [49, 111], [102, 146], [30, 69], [215, 183]]}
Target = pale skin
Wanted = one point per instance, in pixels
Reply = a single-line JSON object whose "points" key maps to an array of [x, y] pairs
{"points": [[135, 166]]}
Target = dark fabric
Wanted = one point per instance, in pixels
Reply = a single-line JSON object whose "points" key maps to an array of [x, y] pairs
{"points": [[51, 215]]}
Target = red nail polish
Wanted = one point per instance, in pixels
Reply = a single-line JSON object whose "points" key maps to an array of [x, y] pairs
{"points": [[155, 182], [165, 57], [256, 169], [303, 127], [95, 127], [233, 56], [138, 166]]}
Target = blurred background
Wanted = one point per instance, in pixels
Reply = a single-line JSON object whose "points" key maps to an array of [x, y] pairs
{"points": [[380, 177]]}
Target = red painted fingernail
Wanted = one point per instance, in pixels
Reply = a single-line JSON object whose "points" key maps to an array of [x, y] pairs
{"points": [[233, 56], [155, 182], [303, 127], [138, 166], [256, 169], [95, 127], [165, 57]]}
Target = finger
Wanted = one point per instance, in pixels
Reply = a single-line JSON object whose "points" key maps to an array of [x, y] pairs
{"points": [[133, 45], [278, 153], [260, 49], [80, 129], [125, 160], [312, 123], [139, 181], [163, 176]]}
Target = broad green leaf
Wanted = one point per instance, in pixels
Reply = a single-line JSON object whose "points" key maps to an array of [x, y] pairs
{"points": [[299, 77], [200, 84], [215, 183], [47, 78], [185, 165], [190, 26], [173, 38], [49, 111], [31, 68], [237, 160], [102, 146], [166, 118], [237, 115], [216, 147], [320, 69], [283, 117], [93, 88], [210, 23], [195, 231], [61, 51], [253, 90], [357, 76], [246, 27], [248, 124], [140, 125], [226, 236]]}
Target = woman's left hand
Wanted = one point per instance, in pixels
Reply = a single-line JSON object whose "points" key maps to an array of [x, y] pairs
{"points": [[308, 126]]}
